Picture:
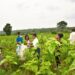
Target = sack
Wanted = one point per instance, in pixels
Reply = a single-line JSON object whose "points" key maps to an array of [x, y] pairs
{"points": [[20, 50]]}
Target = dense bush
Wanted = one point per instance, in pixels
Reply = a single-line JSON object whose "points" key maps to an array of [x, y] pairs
{"points": [[46, 65]]}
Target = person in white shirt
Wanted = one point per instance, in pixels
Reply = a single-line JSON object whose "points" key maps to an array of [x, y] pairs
{"points": [[35, 41], [72, 37]]}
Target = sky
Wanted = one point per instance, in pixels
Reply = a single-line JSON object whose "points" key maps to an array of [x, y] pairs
{"points": [[26, 14]]}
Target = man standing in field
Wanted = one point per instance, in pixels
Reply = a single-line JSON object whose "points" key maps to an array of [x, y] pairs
{"points": [[54, 48], [20, 46], [35, 44], [35, 40], [72, 37], [57, 51], [19, 39]]}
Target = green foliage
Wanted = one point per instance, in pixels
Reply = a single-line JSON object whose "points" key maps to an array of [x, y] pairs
{"points": [[2, 72], [45, 65], [61, 26], [7, 29]]}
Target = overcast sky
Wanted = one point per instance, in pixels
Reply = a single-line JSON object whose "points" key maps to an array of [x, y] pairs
{"points": [[24, 14]]}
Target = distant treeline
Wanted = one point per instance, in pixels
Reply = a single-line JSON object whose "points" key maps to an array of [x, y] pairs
{"points": [[51, 30]]}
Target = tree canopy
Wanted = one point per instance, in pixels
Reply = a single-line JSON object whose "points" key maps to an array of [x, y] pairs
{"points": [[7, 29]]}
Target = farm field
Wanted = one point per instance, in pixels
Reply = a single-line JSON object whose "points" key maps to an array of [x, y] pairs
{"points": [[10, 64]]}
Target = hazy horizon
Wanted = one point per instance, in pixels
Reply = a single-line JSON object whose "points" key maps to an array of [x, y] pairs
{"points": [[28, 14]]}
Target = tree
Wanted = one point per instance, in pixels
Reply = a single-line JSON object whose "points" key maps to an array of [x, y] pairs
{"points": [[61, 25], [7, 29]]}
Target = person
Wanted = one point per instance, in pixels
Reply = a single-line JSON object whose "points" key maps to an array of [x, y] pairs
{"points": [[57, 51], [59, 36], [19, 38], [72, 37], [1, 54], [20, 46], [35, 43], [27, 41], [35, 40], [19, 41]]}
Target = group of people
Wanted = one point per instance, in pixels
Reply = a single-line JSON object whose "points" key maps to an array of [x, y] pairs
{"points": [[34, 43], [71, 38], [28, 43]]}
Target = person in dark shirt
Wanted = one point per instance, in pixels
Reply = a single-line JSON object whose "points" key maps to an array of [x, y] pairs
{"points": [[59, 37], [57, 57]]}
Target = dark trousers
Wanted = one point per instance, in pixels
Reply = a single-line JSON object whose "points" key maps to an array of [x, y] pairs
{"points": [[57, 58], [38, 51]]}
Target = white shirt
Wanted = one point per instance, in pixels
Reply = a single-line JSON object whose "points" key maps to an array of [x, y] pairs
{"points": [[35, 42], [72, 38]]}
